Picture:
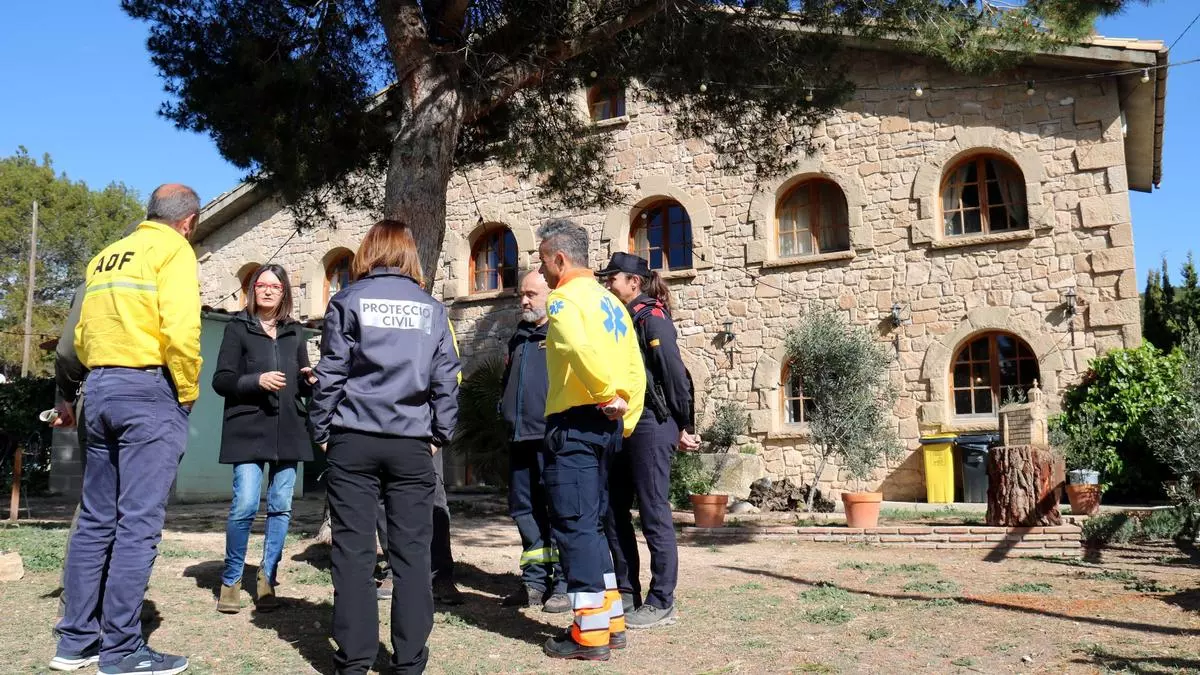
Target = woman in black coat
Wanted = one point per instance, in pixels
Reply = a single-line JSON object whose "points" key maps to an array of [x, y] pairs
{"points": [[264, 375]]}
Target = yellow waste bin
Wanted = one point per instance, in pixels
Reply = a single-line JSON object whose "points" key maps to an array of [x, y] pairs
{"points": [[939, 467]]}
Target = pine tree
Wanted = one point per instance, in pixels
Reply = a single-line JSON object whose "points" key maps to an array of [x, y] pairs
{"points": [[1154, 313], [1186, 307]]}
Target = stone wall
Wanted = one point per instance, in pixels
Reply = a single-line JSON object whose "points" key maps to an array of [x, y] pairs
{"points": [[887, 150]]}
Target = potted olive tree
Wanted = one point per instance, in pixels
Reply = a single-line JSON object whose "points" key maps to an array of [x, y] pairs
{"points": [[843, 372], [694, 479], [1085, 450]]}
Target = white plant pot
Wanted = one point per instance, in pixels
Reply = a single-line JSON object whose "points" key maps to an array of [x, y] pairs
{"points": [[1084, 477]]}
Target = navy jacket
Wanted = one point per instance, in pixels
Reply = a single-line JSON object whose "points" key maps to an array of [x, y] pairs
{"points": [[668, 383], [389, 364], [525, 383]]}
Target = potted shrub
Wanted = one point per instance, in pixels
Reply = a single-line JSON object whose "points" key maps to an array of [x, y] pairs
{"points": [[692, 482], [843, 372], [1086, 452]]}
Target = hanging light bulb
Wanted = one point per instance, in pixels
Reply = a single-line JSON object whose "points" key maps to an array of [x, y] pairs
{"points": [[918, 91], [592, 74], [808, 96], [1030, 90], [703, 87], [1145, 75]]}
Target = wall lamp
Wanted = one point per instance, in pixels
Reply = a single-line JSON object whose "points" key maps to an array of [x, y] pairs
{"points": [[727, 337], [896, 318], [1071, 300]]}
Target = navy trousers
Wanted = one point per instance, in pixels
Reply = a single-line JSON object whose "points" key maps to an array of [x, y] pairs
{"points": [[642, 469], [540, 567], [579, 443], [136, 432]]}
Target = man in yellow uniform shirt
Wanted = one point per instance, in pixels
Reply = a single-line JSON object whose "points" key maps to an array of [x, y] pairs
{"points": [[597, 385], [139, 337]]}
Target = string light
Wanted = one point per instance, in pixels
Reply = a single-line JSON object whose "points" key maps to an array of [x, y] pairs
{"points": [[918, 91], [1030, 90], [809, 95], [1145, 75], [703, 87], [592, 74]]}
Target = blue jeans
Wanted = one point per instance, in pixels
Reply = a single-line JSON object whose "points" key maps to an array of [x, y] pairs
{"points": [[247, 486], [136, 433]]}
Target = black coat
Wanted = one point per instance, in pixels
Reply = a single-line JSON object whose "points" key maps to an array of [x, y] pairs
{"points": [[262, 425], [525, 383]]}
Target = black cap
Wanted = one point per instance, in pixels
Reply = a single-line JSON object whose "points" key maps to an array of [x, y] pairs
{"points": [[627, 263]]}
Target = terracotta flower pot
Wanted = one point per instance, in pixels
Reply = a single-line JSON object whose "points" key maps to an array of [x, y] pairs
{"points": [[709, 510], [862, 508], [1085, 499]]}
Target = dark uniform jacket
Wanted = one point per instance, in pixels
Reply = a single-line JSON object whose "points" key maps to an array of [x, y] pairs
{"points": [[263, 425], [525, 383], [668, 384], [389, 364]]}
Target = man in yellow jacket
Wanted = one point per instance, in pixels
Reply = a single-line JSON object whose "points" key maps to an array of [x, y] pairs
{"points": [[597, 386], [139, 337]]}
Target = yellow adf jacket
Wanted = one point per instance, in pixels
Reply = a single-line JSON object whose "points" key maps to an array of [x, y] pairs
{"points": [[142, 307], [593, 353]]}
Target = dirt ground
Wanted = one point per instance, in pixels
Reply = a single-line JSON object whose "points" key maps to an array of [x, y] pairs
{"points": [[766, 607]]}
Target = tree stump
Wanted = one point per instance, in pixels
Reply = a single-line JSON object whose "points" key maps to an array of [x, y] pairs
{"points": [[1023, 486]]}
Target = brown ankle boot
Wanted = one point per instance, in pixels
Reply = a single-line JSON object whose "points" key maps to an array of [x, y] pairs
{"points": [[265, 598], [230, 601]]}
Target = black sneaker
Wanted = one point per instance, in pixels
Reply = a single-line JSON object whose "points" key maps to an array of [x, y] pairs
{"points": [[445, 592], [563, 646], [618, 640], [146, 661], [649, 616], [66, 661]]}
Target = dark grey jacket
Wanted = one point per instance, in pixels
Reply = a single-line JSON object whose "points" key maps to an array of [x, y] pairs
{"points": [[389, 364], [525, 383]]}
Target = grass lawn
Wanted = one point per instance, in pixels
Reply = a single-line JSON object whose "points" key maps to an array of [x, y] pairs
{"points": [[763, 607]]}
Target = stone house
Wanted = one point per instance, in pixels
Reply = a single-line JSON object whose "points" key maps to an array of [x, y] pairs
{"points": [[980, 226]]}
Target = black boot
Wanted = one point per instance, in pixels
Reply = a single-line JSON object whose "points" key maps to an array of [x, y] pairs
{"points": [[525, 596], [563, 646]]}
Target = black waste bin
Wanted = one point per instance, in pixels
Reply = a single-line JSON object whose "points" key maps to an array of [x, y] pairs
{"points": [[974, 451]]}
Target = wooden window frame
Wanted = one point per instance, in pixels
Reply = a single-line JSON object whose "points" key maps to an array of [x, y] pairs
{"points": [[996, 387], [608, 93], [785, 399], [331, 266], [813, 185], [502, 233], [640, 221], [980, 160]]}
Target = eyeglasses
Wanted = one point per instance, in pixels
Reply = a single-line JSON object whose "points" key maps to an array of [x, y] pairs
{"points": [[261, 286]]}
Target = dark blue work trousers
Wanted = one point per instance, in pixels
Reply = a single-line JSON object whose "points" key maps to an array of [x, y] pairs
{"points": [[642, 469], [136, 435], [540, 567]]}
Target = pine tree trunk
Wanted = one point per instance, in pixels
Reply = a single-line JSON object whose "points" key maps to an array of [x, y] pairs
{"points": [[1023, 486]]}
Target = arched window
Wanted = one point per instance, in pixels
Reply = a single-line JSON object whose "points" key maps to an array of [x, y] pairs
{"points": [[244, 275], [337, 273], [606, 101], [990, 369], [796, 406], [494, 260], [982, 194], [813, 218], [662, 234]]}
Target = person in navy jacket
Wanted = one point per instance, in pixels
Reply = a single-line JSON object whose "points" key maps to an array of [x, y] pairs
{"points": [[386, 398], [523, 406], [643, 466]]}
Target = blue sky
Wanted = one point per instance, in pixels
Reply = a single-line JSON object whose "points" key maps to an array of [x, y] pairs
{"points": [[79, 85]]}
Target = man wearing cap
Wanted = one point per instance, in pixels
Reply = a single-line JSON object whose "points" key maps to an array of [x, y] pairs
{"points": [[597, 383], [642, 467]]}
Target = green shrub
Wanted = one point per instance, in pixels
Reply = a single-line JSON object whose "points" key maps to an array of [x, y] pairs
{"points": [[729, 421], [481, 435], [1174, 433], [1110, 409], [20, 403], [689, 477], [1124, 528]]}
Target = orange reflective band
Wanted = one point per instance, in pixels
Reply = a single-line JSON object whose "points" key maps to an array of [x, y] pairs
{"points": [[589, 638]]}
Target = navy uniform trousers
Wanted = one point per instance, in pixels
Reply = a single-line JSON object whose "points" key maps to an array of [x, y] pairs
{"points": [[540, 567], [642, 469], [580, 442], [136, 435]]}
